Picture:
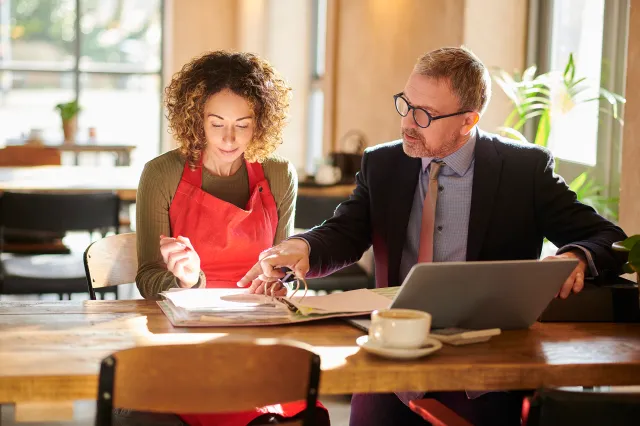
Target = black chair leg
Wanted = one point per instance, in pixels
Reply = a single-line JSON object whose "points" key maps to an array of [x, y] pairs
{"points": [[61, 296]]}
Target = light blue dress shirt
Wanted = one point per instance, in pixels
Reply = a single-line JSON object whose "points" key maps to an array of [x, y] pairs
{"points": [[455, 182]]}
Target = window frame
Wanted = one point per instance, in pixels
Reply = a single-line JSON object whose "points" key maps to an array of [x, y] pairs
{"points": [[324, 82], [76, 72], [615, 38]]}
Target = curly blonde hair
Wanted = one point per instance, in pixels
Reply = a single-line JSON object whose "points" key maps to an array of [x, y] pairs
{"points": [[246, 75]]}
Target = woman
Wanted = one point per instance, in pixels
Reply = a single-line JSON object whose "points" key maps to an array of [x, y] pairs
{"points": [[222, 193], [206, 210]]}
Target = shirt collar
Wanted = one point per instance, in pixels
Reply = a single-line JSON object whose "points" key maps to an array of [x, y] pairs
{"points": [[459, 161]]}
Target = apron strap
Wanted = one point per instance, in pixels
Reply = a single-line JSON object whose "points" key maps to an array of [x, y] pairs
{"points": [[194, 177], [255, 173]]}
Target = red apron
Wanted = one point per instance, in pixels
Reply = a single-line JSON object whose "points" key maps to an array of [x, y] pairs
{"points": [[228, 240]]}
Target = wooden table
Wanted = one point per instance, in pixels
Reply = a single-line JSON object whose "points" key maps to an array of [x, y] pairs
{"points": [[123, 152], [123, 180], [327, 191], [51, 351], [69, 179]]}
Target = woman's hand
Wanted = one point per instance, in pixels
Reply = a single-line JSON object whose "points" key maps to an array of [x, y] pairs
{"points": [[181, 260]]}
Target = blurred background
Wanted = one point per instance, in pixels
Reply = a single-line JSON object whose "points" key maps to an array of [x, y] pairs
{"points": [[344, 59]]}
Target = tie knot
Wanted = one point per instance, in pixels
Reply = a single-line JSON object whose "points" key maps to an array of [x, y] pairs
{"points": [[436, 165]]}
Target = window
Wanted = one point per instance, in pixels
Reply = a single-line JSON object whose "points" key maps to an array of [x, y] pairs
{"points": [[577, 27], [105, 53], [316, 97], [585, 138]]}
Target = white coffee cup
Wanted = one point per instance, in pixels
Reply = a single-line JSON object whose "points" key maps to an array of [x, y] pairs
{"points": [[399, 328]]}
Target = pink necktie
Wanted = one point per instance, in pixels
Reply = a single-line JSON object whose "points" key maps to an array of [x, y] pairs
{"points": [[425, 252]]}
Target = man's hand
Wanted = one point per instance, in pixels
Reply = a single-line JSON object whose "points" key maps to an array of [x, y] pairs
{"points": [[274, 288], [293, 254], [575, 282]]}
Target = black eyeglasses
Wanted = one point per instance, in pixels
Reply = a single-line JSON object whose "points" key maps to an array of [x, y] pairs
{"points": [[421, 116]]}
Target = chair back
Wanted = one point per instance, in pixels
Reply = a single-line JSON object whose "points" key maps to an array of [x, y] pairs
{"points": [[59, 212], [111, 261], [27, 156], [225, 375], [313, 211], [551, 407]]}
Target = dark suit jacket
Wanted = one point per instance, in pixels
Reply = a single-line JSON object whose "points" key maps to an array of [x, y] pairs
{"points": [[516, 202]]}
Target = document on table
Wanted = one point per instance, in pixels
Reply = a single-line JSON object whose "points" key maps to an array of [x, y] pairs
{"points": [[234, 307]]}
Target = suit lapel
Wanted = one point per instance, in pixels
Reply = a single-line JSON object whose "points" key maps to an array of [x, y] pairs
{"points": [[401, 195], [486, 178]]}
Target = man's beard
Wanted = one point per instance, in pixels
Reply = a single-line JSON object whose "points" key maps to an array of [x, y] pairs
{"points": [[419, 149]]}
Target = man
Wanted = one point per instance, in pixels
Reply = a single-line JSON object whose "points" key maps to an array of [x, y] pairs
{"points": [[449, 192]]}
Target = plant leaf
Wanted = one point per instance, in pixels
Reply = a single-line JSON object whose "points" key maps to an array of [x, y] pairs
{"points": [[525, 109], [611, 99], [575, 83], [619, 98], [513, 133], [537, 100], [634, 257], [577, 183], [544, 129], [545, 91], [610, 114], [508, 85], [630, 242], [529, 116], [570, 70], [628, 269], [575, 92], [529, 73]]}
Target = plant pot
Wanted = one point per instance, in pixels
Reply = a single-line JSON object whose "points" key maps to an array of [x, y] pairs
{"points": [[70, 128]]}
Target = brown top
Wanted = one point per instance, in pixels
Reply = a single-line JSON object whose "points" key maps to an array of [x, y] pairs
{"points": [[158, 184]]}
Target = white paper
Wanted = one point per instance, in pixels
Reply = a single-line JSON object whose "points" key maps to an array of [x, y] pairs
{"points": [[362, 300], [224, 299]]}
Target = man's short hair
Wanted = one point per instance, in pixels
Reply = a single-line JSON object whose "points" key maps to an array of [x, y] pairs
{"points": [[467, 76]]}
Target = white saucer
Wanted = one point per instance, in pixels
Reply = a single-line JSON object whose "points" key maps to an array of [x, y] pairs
{"points": [[431, 346]]}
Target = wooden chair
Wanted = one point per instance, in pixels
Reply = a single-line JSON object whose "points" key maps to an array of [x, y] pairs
{"points": [[226, 375], [56, 273], [436, 413], [28, 156], [552, 407], [111, 261]]}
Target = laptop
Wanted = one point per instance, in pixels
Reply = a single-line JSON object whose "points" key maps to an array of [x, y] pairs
{"points": [[481, 295]]}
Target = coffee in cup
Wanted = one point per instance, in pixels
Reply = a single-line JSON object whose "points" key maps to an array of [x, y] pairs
{"points": [[399, 328]]}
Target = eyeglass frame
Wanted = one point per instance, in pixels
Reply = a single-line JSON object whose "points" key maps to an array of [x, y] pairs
{"points": [[414, 108]]}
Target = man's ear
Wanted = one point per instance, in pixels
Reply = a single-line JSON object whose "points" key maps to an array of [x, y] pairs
{"points": [[471, 119]]}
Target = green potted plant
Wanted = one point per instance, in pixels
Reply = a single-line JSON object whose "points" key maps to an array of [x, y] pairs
{"points": [[69, 115], [546, 97], [632, 246]]}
